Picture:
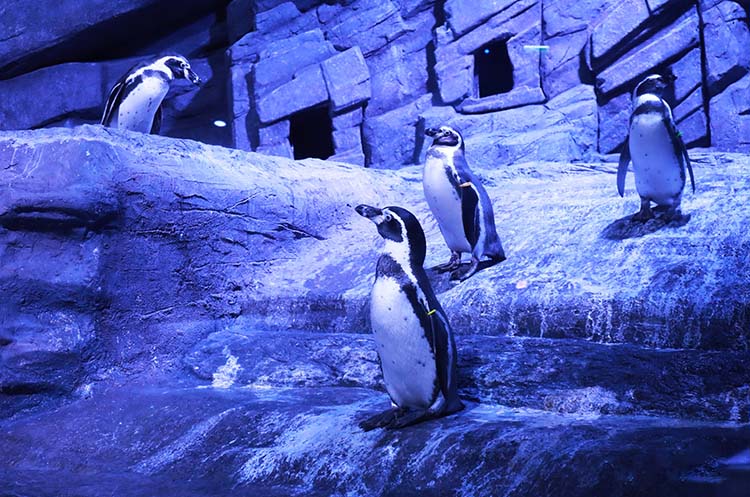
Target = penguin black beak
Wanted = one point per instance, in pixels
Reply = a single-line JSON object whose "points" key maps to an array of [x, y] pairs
{"points": [[369, 212], [192, 77], [431, 131]]}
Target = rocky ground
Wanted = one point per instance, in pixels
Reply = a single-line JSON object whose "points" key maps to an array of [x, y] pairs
{"points": [[182, 319]]}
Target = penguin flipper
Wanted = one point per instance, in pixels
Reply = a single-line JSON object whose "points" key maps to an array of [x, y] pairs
{"points": [[678, 144], [156, 124], [470, 212], [445, 359], [113, 101], [622, 167]]}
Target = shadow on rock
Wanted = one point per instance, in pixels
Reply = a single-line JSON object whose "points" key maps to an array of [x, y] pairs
{"points": [[626, 227]]}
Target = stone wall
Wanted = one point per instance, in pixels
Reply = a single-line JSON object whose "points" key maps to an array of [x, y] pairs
{"points": [[368, 75]]}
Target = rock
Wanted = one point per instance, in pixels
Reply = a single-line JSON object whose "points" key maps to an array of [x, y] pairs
{"points": [[727, 36], [391, 137], [730, 117], [307, 89], [679, 37], [369, 24], [347, 79], [687, 70], [455, 78], [516, 98], [54, 33], [348, 118], [616, 27], [193, 442], [614, 119], [462, 16], [691, 121]]}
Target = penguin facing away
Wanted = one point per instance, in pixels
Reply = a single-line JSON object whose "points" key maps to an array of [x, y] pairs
{"points": [[413, 337], [459, 202], [134, 102], [657, 151]]}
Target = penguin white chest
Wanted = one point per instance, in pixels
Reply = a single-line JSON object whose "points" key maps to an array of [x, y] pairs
{"points": [[137, 109], [657, 168], [407, 361], [445, 204]]}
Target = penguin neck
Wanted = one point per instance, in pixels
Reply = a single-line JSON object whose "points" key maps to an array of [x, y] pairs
{"points": [[401, 253], [443, 151]]}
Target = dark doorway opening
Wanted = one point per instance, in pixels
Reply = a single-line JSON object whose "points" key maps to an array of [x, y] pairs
{"points": [[311, 133], [493, 70]]}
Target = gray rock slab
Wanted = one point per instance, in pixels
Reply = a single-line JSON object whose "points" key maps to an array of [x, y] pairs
{"points": [[347, 79], [515, 98], [307, 89], [679, 37], [727, 36], [562, 376], [348, 118], [730, 117], [184, 441], [621, 22], [462, 16]]}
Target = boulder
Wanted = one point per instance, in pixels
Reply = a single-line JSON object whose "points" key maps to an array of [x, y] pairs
{"points": [[730, 117], [347, 79], [462, 16], [614, 29], [727, 36], [306, 89]]}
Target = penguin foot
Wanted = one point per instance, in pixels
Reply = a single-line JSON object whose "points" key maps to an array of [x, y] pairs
{"points": [[452, 264], [380, 420], [462, 276], [408, 418], [645, 213]]}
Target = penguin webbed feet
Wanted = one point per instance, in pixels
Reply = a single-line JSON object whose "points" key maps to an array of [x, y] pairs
{"points": [[453, 264], [467, 273], [645, 213], [395, 418]]}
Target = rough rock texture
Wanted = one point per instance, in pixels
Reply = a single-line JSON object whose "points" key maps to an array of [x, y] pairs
{"points": [[192, 318]]}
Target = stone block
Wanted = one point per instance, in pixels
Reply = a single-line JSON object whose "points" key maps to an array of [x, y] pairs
{"points": [[348, 118], [369, 24], [397, 76], [281, 59], [347, 79], [352, 156], [455, 78], [730, 117], [687, 72], [693, 128], [515, 98], [392, 137], [274, 134], [623, 21], [306, 90], [727, 38], [463, 15], [681, 36], [277, 150], [347, 139], [561, 64], [614, 118]]}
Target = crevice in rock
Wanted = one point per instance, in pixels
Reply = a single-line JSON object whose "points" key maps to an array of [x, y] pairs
{"points": [[56, 219], [704, 73]]}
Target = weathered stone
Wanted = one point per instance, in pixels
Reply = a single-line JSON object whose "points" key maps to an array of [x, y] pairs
{"points": [[727, 37], [682, 35], [730, 117], [347, 79], [517, 97], [307, 89], [275, 133], [369, 24], [391, 137], [614, 117], [281, 60], [348, 118], [694, 128], [281, 149], [625, 19], [462, 16], [352, 156], [455, 78], [561, 64], [347, 139], [397, 77], [55, 33], [687, 72]]}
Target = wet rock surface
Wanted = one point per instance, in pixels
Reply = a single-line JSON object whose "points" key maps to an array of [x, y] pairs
{"points": [[186, 319]]}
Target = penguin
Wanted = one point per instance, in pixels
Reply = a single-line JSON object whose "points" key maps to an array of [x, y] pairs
{"points": [[459, 202], [413, 337], [657, 151], [134, 102]]}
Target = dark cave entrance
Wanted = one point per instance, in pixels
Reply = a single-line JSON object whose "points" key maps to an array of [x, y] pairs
{"points": [[311, 133], [493, 70]]}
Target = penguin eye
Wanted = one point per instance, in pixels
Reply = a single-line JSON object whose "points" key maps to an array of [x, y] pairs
{"points": [[388, 217]]}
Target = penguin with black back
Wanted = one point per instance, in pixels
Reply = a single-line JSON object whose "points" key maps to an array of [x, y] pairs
{"points": [[134, 102], [412, 335]]}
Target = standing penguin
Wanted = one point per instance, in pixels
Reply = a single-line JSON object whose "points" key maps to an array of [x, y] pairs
{"points": [[134, 102], [459, 202], [658, 153], [413, 337]]}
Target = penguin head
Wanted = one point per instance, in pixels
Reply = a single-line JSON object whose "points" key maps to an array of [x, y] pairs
{"points": [[654, 84], [180, 68], [400, 229], [447, 136]]}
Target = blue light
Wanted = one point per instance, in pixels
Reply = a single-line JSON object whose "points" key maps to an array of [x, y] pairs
{"points": [[220, 124], [486, 51]]}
